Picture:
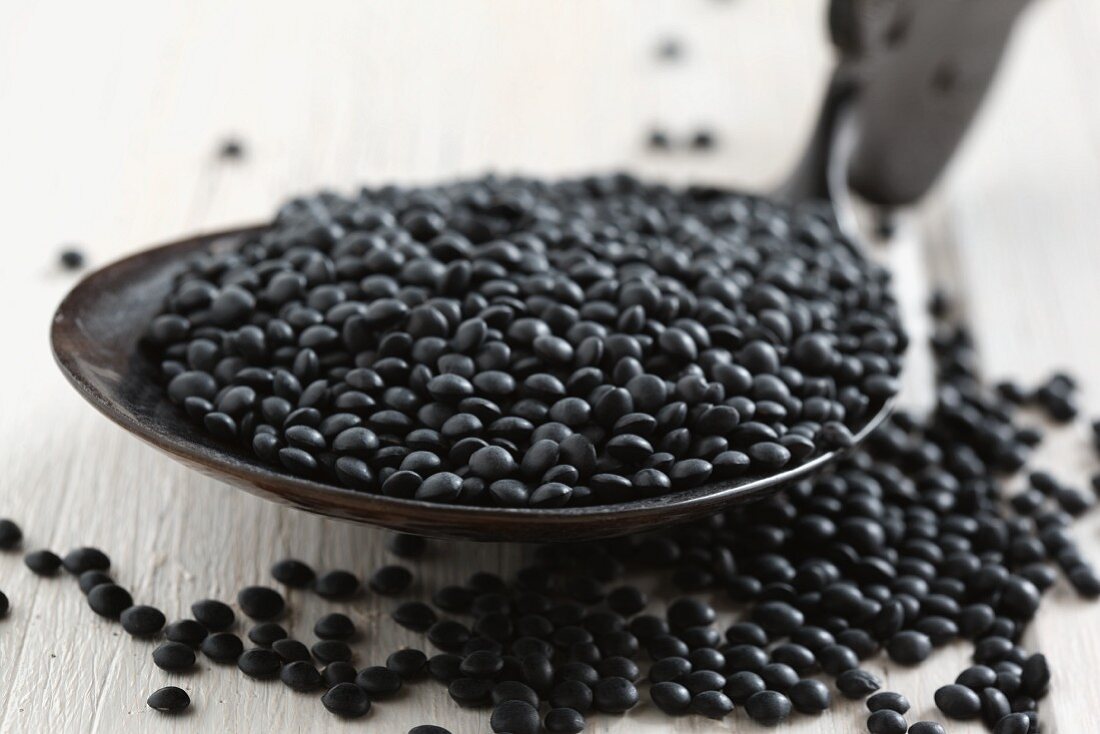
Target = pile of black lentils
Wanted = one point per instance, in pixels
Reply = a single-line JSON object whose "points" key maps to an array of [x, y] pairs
{"points": [[519, 343]]}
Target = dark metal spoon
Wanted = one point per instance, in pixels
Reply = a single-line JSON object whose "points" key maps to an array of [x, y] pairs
{"points": [[95, 337]]}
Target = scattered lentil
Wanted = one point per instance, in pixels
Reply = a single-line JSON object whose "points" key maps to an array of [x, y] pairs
{"points": [[222, 647], [346, 700], [141, 620], [42, 562], [11, 535], [260, 602], [293, 573], [214, 615], [174, 656], [169, 699]]}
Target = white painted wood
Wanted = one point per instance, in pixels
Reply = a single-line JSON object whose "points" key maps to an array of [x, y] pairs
{"points": [[111, 114]]}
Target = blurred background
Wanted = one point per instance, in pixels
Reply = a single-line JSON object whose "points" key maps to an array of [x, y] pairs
{"points": [[114, 112]]}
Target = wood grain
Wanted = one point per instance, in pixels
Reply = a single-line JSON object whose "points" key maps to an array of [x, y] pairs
{"points": [[112, 114]]}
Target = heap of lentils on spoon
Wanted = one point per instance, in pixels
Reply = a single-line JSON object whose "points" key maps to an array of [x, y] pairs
{"points": [[522, 343]]}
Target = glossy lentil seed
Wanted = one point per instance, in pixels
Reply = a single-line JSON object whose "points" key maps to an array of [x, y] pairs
{"points": [[222, 647], [266, 634], [109, 600], [168, 700], [259, 662], [185, 631], [260, 602], [11, 535], [338, 672], [336, 585], [886, 721], [768, 708], [293, 573], [142, 620], [174, 656], [300, 675], [927, 727], [79, 560], [42, 562], [346, 700], [212, 614], [958, 702], [810, 696]]}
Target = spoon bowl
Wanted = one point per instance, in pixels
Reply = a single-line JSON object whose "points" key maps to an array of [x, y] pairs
{"points": [[95, 335]]}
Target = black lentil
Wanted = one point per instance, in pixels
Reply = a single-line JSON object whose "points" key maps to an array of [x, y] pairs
{"points": [[91, 579], [174, 656], [564, 721], [958, 702], [1017, 723], [572, 694], [888, 700], [886, 721], [390, 580], [741, 686], [809, 696], [408, 663], [291, 651], [231, 149], [169, 699], [5, 605], [512, 690], [334, 626], [266, 634], [711, 704], [42, 562], [293, 573], [857, 684], [337, 585], [141, 620], [222, 647], [329, 651], [79, 560], [72, 258], [927, 727], [428, 729], [338, 672], [109, 600], [470, 691], [515, 717], [414, 615], [670, 697], [213, 614], [378, 681], [346, 700], [259, 662], [185, 631], [614, 695], [11, 535], [259, 602], [768, 708], [300, 675]]}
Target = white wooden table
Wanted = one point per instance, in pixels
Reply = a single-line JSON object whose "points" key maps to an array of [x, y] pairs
{"points": [[112, 111]]}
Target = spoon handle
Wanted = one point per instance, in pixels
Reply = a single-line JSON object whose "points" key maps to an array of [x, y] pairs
{"points": [[910, 76], [922, 68]]}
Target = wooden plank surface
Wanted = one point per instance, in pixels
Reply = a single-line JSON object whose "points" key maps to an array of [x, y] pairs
{"points": [[112, 113]]}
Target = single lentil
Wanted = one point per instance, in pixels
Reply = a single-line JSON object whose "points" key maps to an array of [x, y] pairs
{"points": [[169, 699]]}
